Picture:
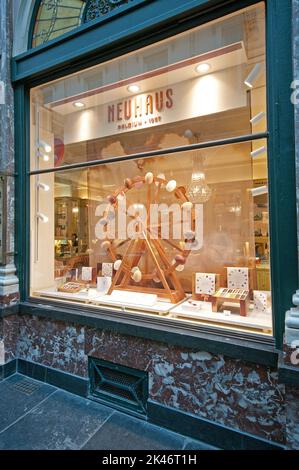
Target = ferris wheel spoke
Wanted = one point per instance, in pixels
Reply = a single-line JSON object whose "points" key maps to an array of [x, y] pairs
{"points": [[173, 245]]}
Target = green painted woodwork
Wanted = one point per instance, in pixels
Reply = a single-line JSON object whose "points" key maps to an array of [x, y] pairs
{"points": [[135, 27]]}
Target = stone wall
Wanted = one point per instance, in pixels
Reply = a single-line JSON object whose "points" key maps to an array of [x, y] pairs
{"points": [[238, 394]]}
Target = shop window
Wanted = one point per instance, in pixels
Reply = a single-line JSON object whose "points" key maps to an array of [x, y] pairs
{"points": [[149, 181]]}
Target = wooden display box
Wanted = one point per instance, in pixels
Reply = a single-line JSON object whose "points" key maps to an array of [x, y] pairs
{"points": [[237, 296]]}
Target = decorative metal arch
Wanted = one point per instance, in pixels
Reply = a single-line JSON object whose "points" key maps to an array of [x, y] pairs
{"points": [[53, 18], [98, 8]]}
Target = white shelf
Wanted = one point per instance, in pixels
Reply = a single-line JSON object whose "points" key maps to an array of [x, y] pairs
{"points": [[255, 320], [122, 300]]}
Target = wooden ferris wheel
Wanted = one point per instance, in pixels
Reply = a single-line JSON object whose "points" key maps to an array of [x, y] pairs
{"points": [[160, 275]]}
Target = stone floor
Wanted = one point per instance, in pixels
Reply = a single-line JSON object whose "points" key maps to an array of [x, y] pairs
{"points": [[37, 416]]}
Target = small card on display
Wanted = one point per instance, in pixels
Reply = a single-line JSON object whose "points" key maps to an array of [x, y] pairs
{"points": [[103, 284], [238, 278], [261, 300], [86, 274], [107, 269], [205, 283], [72, 275]]}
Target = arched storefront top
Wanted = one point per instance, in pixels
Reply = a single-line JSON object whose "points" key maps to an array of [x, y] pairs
{"points": [[53, 18]]}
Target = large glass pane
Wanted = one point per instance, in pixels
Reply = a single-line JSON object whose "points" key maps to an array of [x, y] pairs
{"points": [[209, 81], [182, 236]]}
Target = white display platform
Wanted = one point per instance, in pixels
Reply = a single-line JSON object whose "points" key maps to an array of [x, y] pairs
{"points": [[203, 311], [149, 303], [119, 299]]}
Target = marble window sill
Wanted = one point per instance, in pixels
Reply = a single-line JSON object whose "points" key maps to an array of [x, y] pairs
{"points": [[252, 348]]}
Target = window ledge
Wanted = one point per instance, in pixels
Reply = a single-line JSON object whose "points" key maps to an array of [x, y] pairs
{"points": [[238, 346]]}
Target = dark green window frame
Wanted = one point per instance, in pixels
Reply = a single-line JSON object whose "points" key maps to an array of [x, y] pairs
{"points": [[85, 47]]}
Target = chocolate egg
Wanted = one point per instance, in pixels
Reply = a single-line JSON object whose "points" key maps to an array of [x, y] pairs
{"points": [[156, 278], [171, 185], [128, 183], [187, 205], [180, 268], [189, 235], [180, 259], [137, 275], [111, 199], [161, 176], [149, 178], [117, 264], [106, 245]]}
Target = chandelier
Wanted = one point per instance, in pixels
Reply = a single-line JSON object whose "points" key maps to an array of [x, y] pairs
{"points": [[198, 190]]}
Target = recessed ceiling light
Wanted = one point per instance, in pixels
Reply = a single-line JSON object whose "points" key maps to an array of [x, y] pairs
{"points": [[202, 68], [78, 104], [133, 88]]}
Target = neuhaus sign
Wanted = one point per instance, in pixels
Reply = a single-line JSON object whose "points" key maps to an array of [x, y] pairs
{"points": [[189, 99], [140, 111]]}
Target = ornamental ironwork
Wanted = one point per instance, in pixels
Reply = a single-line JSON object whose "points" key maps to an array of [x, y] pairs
{"points": [[98, 8]]}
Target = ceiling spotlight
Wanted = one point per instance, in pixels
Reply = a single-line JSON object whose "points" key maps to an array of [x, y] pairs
{"points": [[42, 217], [259, 151], [46, 147], [202, 68], [253, 75], [133, 88], [43, 186], [78, 104], [258, 118], [259, 191]]}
